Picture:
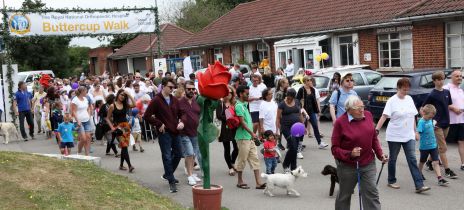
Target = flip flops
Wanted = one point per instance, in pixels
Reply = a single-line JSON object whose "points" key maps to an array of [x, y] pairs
{"points": [[261, 187], [243, 186]]}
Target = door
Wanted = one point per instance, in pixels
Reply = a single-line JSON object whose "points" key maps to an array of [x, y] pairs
{"points": [[298, 58]]}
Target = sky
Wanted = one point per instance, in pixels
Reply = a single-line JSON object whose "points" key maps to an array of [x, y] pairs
{"points": [[165, 7]]}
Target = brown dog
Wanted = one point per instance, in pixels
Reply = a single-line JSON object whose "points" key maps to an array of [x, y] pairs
{"points": [[332, 171]]}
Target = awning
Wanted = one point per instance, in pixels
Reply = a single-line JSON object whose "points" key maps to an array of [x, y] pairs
{"points": [[300, 41]]}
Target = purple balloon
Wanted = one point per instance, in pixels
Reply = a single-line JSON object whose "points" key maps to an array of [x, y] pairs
{"points": [[75, 86], [297, 130]]}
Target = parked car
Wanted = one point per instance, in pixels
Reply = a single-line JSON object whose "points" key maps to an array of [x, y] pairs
{"points": [[364, 80], [421, 86], [28, 77]]}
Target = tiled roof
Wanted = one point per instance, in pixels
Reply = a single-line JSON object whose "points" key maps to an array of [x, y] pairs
{"points": [[285, 18], [171, 36], [428, 7]]}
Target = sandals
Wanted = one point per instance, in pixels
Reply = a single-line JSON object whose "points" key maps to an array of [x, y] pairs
{"points": [[122, 168], [261, 187], [243, 186]]}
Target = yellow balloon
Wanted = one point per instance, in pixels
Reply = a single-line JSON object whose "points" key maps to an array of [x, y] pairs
{"points": [[318, 58], [324, 56]]}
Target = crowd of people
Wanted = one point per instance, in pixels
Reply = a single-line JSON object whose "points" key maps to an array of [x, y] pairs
{"points": [[125, 109]]}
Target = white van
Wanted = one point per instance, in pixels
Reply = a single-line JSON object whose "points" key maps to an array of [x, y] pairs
{"points": [[28, 77]]}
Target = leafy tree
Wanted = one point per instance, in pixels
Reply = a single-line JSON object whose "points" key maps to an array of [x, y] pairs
{"points": [[78, 59], [121, 39]]}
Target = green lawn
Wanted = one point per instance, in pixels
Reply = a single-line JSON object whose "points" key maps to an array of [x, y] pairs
{"points": [[35, 182]]}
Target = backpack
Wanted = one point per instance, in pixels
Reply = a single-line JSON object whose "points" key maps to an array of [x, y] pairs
{"points": [[232, 120]]}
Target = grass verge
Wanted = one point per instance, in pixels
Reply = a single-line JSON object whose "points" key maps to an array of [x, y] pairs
{"points": [[35, 182]]}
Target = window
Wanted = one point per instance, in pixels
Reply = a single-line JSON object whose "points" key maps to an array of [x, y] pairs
{"points": [[218, 54], [395, 50], [346, 50], [327, 48], [235, 53], [195, 57], [248, 52], [262, 51], [372, 78], [283, 59], [309, 56], [426, 81], [455, 44], [358, 80]]}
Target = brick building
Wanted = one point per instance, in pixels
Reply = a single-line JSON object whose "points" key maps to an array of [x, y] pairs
{"points": [[98, 60], [387, 35]]}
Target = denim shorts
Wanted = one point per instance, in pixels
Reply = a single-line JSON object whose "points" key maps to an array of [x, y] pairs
{"points": [[85, 127], [189, 144], [66, 144], [424, 154]]}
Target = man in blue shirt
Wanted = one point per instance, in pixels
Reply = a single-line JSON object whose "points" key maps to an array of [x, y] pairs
{"points": [[337, 104], [22, 101]]}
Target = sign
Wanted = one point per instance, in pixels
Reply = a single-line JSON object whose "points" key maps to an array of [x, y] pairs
{"points": [[81, 23], [395, 29], [367, 57], [6, 116], [188, 69], [160, 64]]}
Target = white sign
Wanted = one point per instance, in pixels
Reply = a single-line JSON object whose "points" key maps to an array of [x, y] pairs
{"points": [[6, 116], [188, 69], [160, 64], [367, 57], [81, 23], [394, 29]]}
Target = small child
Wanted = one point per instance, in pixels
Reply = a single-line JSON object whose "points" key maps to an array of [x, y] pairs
{"points": [[65, 134], [136, 130], [427, 142], [46, 124], [57, 118], [270, 154]]}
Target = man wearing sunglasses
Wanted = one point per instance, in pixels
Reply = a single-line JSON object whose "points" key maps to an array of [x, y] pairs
{"points": [[337, 102], [164, 113]]}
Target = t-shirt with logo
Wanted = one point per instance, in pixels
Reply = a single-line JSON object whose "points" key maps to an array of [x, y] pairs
{"points": [[427, 135], [66, 131]]}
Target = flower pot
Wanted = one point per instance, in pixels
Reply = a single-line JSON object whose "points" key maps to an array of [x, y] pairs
{"points": [[207, 199]]}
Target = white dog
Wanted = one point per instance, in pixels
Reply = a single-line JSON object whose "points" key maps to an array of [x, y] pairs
{"points": [[286, 181], [8, 130]]}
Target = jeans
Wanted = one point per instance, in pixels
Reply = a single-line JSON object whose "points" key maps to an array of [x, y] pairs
{"points": [[409, 151], [292, 143], [30, 122], [171, 153], [271, 164], [313, 121]]}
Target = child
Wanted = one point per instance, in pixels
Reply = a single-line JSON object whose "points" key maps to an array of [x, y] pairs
{"points": [[270, 155], [46, 124], [65, 134], [136, 131], [57, 118], [428, 142]]}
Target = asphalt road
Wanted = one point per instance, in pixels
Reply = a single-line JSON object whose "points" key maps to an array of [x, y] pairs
{"points": [[314, 189]]}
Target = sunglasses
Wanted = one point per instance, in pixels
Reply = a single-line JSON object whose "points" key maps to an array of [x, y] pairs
{"points": [[349, 80], [191, 89], [170, 87]]}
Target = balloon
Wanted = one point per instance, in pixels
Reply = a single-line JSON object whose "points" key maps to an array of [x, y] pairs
{"points": [[75, 86], [324, 56], [318, 58], [328, 57], [297, 130]]}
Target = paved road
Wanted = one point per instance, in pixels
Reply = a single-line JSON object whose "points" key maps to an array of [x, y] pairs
{"points": [[314, 189]]}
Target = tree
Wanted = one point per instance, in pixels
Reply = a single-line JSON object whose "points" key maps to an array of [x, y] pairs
{"points": [[121, 39], [39, 53], [78, 61]]}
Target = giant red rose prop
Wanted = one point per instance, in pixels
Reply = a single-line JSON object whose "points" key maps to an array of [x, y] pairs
{"points": [[44, 80], [213, 82]]}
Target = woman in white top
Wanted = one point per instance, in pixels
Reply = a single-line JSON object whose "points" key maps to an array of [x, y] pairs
{"points": [[80, 110], [98, 93], [267, 113], [401, 132]]}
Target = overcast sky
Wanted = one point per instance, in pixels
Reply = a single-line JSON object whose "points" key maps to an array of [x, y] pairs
{"points": [[164, 8]]}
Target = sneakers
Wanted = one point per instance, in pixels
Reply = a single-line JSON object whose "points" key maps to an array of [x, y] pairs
{"points": [[191, 180], [450, 174], [195, 177], [462, 167], [443, 182], [172, 188], [422, 189], [196, 167], [287, 170], [429, 165], [299, 155], [394, 186], [134, 148], [323, 145], [166, 179], [281, 147]]}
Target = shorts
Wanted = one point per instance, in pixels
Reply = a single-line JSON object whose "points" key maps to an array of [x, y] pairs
{"points": [[255, 117], [424, 154], [247, 152], [440, 135], [66, 144], [189, 145], [84, 128], [137, 136], [455, 133]]}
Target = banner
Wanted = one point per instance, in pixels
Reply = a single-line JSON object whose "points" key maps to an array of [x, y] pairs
{"points": [[81, 23]]}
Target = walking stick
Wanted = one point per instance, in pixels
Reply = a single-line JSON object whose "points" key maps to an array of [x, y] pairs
{"points": [[380, 173], [359, 185]]}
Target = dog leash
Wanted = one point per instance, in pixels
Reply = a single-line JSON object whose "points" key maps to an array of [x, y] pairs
{"points": [[359, 185]]}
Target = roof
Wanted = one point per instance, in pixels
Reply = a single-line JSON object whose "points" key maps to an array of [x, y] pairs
{"points": [[171, 36], [300, 40], [276, 19]]}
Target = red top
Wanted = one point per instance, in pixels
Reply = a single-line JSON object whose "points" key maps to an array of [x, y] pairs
{"points": [[159, 112], [190, 116], [269, 145], [347, 135]]}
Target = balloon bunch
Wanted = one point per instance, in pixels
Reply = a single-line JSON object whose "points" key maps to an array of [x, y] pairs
{"points": [[323, 56]]}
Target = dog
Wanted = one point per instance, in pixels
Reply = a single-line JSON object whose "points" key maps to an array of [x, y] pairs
{"points": [[8, 130], [332, 171], [286, 181]]}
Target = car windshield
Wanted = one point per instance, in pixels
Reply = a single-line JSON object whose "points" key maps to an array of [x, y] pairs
{"points": [[387, 83], [321, 82], [22, 77]]}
